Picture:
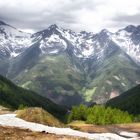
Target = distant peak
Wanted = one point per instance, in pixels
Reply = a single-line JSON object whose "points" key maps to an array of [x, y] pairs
{"points": [[83, 32], [138, 27], [2, 23], [104, 31], [54, 26], [130, 28]]}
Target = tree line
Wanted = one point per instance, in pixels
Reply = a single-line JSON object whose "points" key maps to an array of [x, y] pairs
{"points": [[100, 115]]}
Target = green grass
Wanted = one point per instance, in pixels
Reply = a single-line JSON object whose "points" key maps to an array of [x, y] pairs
{"points": [[89, 94]]}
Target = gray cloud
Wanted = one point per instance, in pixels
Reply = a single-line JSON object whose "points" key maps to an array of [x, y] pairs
{"points": [[121, 21], [37, 19], [91, 15], [128, 19]]}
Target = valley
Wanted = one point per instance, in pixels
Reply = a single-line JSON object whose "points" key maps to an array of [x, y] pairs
{"points": [[60, 84]]}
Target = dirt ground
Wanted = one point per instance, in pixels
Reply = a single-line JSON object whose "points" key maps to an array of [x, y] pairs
{"points": [[13, 133], [133, 127], [4, 110]]}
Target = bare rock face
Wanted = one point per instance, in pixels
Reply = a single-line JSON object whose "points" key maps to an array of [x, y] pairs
{"points": [[114, 93]]}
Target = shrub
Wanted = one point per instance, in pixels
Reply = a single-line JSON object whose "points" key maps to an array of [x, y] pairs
{"points": [[99, 115], [78, 113], [22, 106], [137, 118]]}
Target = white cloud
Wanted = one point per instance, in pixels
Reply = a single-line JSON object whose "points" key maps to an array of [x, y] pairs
{"points": [[90, 15]]}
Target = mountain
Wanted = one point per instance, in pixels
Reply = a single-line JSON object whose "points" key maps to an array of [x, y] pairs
{"points": [[128, 101], [129, 41], [12, 96], [72, 68], [12, 41]]}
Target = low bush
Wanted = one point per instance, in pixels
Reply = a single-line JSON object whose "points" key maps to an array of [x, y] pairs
{"points": [[99, 115]]}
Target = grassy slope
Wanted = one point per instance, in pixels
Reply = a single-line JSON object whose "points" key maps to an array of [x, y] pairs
{"points": [[128, 101], [117, 73], [55, 77], [38, 115], [66, 80], [13, 96], [63, 80]]}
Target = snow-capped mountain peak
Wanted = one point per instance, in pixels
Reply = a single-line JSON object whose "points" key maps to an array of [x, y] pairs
{"points": [[53, 26], [55, 39], [128, 39], [130, 28], [2, 23], [12, 41]]}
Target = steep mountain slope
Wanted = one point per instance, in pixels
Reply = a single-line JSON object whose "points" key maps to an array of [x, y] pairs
{"points": [[55, 77], [72, 68], [12, 96], [128, 101], [116, 74], [55, 40], [129, 41], [12, 41]]}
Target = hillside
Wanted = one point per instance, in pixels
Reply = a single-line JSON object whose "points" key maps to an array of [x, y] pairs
{"points": [[38, 115], [128, 101], [12, 96], [55, 77]]}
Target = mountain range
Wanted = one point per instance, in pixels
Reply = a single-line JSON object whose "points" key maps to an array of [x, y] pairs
{"points": [[69, 67]]}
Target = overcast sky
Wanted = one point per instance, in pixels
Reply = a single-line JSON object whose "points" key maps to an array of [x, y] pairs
{"points": [[89, 15]]}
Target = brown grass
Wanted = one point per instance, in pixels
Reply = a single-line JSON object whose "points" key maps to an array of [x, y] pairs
{"points": [[133, 127], [4, 110], [38, 115], [13, 133]]}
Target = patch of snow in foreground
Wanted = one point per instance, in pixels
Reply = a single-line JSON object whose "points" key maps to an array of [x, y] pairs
{"points": [[124, 133], [11, 120]]}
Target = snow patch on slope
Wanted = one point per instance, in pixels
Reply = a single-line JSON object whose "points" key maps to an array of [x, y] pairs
{"points": [[12, 41], [123, 39]]}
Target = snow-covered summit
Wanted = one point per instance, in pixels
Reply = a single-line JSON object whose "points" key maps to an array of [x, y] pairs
{"points": [[55, 39], [128, 39], [12, 41], [2, 23]]}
